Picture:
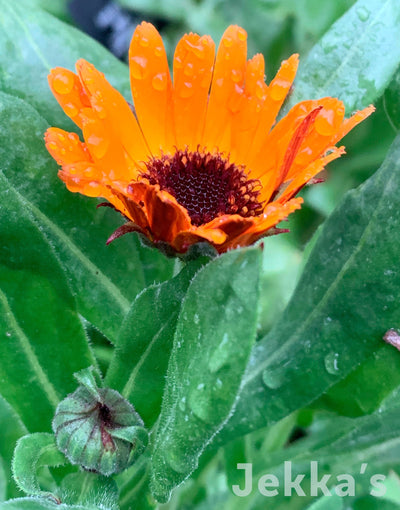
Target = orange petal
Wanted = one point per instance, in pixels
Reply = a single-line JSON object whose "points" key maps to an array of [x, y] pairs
{"points": [[193, 66], [66, 147], [187, 238], [69, 92], [227, 88], [308, 173], [247, 119], [349, 124], [277, 92], [165, 216], [274, 213], [151, 87], [110, 128]]}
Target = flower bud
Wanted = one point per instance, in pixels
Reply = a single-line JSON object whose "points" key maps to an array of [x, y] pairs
{"points": [[97, 428]]}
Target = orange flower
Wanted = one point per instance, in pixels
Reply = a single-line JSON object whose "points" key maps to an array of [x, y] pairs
{"points": [[199, 158]]}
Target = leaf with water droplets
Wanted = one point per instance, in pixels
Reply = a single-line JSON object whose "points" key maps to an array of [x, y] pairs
{"points": [[356, 59], [211, 348], [344, 304]]}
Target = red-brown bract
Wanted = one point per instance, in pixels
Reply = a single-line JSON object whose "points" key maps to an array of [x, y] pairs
{"points": [[201, 158]]}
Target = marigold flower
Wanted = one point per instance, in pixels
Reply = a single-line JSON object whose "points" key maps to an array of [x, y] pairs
{"points": [[200, 157]]}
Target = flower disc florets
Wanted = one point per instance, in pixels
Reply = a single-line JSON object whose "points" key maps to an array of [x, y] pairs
{"points": [[207, 185]]}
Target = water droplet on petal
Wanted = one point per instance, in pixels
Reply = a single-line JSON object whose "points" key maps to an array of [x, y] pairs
{"points": [[186, 90], [158, 51], [143, 41], [63, 83], [326, 123], [227, 41], [242, 34], [278, 90], [137, 67], [188, 71], [159, 81], [97, 145], [71, 110], [261, 90], [52, 146], [331, 363], [92, 189], [237, 75]]}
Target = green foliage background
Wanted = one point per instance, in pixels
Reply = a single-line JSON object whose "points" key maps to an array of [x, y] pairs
{"points": [[304, 374]]}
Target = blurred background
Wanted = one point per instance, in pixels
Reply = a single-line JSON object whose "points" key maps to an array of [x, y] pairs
{"points": [[276, 28]]}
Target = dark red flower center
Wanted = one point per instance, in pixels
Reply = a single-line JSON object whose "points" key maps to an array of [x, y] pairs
{"points": [[206, 185]]}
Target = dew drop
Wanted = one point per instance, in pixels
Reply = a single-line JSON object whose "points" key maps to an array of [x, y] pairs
{"points": [[143, 41], [326, 122], [158, 51], [196, 318], [159, 81], [182, 404], [52, 146], [331, 363], [278, 90], [97, 145], [237, 75], [186, 90], [242, 34], [200, 386], [362, 13], [227, 41], [71, 110], [92, 189], [261, 91], [8, 334], [220, 356], [63, 83], [137, 67], [273, 377], [188, 71]]}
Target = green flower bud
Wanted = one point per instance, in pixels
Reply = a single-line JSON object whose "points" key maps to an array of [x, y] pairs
{"points": [[97, 428]]}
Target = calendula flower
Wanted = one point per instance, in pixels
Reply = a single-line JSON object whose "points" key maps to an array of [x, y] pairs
{"points": [[199, 157]]}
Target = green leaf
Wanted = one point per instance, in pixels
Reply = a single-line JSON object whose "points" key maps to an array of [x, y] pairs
{"points": [[34, 42], [344, 303], [140, 359], [11, 429], [368, 385], [3, 481], [89, 489], [356, 59], [75, 231], [31, 453], [333, 502], [42, 340], [392, 101], [216, 329]]}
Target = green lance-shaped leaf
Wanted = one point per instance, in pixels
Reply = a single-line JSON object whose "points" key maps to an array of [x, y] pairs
{"points": [[98, 429], [31, 453], [42, 339], [344, 303], [356, 59], [216, 329], [141, 356]]}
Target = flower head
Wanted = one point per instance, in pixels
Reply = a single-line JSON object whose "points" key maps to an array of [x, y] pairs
{"points": [[199, 157]]}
